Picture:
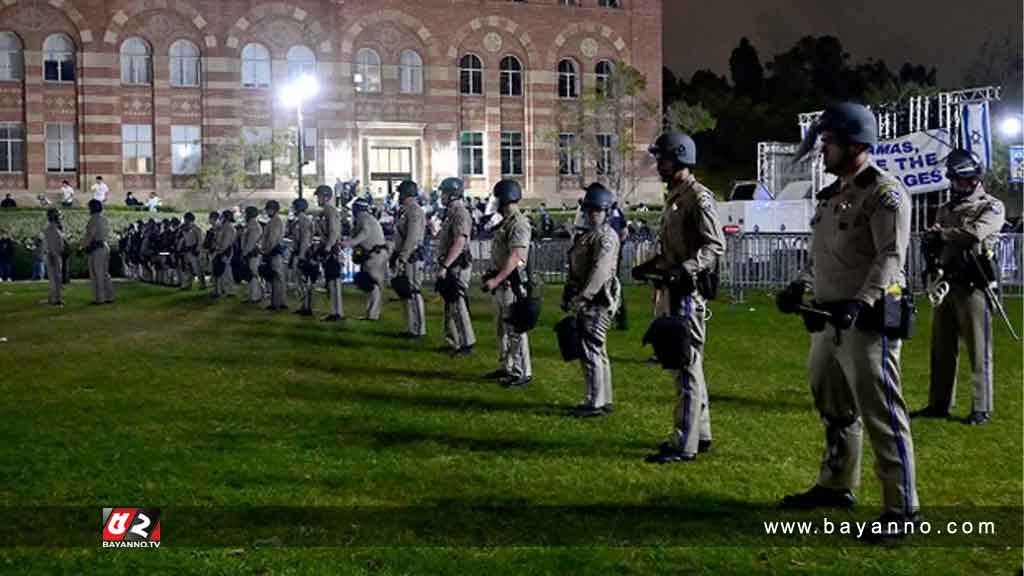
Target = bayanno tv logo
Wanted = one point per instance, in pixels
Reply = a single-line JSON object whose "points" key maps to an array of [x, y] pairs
{"points": [[131, 527]]}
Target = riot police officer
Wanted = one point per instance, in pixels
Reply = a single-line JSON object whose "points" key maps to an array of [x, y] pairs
{"points": [[964, 236], [507, 279], [272, 268], [691, 244], [94, 243], [593, 291], [225, 245], [330, 251], [455, 268], [373, 260], [209, 247], [304, 268], [408, 255], [251, 253], [861, 230], [190, 240], [56, 244]]}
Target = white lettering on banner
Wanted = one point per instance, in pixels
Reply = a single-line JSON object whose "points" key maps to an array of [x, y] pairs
{"points": [[917, 159]]}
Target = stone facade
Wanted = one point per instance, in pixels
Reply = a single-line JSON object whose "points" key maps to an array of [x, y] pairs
{"points": [[356, 128]]}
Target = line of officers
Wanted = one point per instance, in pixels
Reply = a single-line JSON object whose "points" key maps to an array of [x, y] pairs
{"points": [[859, 315]]}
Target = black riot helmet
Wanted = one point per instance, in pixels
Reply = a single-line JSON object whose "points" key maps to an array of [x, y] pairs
{"points": [[508, 192], [851, 123], [360, 206], [452, 188], [53, 215], [214, 216], [251, 212], [598, 197], [95, 206], [324, 191], [189, 217], [227, 216], [677, 145], [272, 206], [300, 205], [408, 189], [963, 164]]}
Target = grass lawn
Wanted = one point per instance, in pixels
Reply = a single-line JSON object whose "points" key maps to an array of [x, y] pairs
{"points": [[168, 399]]}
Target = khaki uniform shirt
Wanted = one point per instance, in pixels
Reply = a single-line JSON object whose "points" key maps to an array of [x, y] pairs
{"points": [[969, 224], [368, 233], [251, 238], [412, 225], [457, 222], [595, 255], [54, 238], [225, 237], [691, 235], [273, 234], [303, 236], [513, 232], [190, 238], [861, 230], [330, 227], [96, 230]]}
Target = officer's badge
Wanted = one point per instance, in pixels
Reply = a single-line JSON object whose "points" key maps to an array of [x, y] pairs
{"points": [[890, 196]]}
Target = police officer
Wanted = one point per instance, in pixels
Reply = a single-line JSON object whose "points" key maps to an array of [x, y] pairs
{"points": [[330, 232], [966, 229], [273, 254], [861, 230], [510, 250], [225, 244], [94, 243], [369, 237], [593, 291], [209, 247], [691, 244], [190, 240], [251, 253], [408, 255], [56, 244], [302, 255], [456, 263]]}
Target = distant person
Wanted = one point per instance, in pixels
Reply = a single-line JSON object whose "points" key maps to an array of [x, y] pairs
{"points": [[100, 190], [153, 204], [55, 247], [6, 257], [8, 202], [131, 201], [67, 194], [94, 244], [44, 202]]}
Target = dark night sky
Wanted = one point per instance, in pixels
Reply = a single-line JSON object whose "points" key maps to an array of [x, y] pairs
{"points": [[944, 34]]}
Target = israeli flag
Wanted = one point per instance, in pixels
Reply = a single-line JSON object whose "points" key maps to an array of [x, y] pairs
{"points": [[975, 134]]}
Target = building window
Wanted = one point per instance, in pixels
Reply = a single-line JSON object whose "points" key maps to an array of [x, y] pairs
{"points": [[255, 66], [511, 153], [605, 154], [471, 75], [184, 64], [186, 150], [59, 59], [367, 76], [471, 153], [12, 147], [258, 150], [10, 56], [602, 72], [569, 3], [609, 3], [411, 72], [511, 76], [137, 148], [568, 156], [136, 62], [60, 148], [300, 61], [308, 151], [568, 87]]}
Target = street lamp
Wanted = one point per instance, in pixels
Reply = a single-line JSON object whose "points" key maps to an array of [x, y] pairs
{"points": [[294, 94], [1010, 126]]}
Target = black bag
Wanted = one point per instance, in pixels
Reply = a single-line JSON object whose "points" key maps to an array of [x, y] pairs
{"points": [[568, 333], [310, 270], [364, 281], [449, 289], [219, 265], [360, 255], [525, 313], [670, 337], [402, 287], [265, 270], [240, 268], [707, 284], [891, 316], [332, 269]]}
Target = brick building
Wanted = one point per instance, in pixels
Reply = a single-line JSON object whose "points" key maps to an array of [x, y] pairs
{"points": [[139, 91]]}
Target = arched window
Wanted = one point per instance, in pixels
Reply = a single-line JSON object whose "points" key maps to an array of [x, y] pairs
{"points": [[367, 74], [10, 56], [136, 62], [59, 59], [511, 76], [471, 75], [300, 61], [411, 72], [602, 72], [184, 64], [255, 66], [568, 87]]}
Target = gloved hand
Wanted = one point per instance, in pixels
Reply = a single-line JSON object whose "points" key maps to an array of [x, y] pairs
{"points": [[568, 296], [789, 300], [681, 278], [844, 316]]}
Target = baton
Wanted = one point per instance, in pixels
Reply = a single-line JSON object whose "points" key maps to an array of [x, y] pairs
{"points": [[991, 297]]}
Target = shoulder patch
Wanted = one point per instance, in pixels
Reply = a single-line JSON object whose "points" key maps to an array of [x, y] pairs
{"points": [[890, 195], [867, 177], [996, 207], [705, 199]]}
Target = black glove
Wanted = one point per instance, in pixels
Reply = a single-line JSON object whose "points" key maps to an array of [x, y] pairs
{"points": [[845, 315], [789, 300], [568, 294], [681, 278]]}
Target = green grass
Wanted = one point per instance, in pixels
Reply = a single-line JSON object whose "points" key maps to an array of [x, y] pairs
{"points": [[168, 399]]}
